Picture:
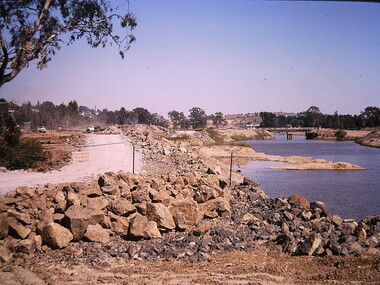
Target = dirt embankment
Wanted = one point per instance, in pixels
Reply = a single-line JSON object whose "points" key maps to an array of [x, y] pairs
{"points": [[58, 147], [372, 139], [245, 154]]}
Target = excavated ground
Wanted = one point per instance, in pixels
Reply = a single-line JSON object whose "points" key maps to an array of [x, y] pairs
{"points": [[96, 263]]}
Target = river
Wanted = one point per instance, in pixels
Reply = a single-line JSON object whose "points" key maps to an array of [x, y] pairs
{"points": [[350, 194]]}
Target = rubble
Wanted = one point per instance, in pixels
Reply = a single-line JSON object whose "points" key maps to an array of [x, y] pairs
{"points": [[190, 213]]}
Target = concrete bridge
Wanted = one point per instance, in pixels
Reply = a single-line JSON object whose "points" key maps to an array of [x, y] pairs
{"points": [[310, 133], [281, 130]]}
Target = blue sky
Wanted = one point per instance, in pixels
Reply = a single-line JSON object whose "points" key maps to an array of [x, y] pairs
{"points": [[233, 56]]}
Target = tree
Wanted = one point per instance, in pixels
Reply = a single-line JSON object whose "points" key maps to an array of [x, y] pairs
{"points": [[313, 117], [34, 30], [371, 116], [269, 120], [178, 119], [218, 119], [197, 117], [143, 116]]}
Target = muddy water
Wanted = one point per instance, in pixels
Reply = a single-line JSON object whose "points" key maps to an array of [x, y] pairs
{"points": [[350, 194]]}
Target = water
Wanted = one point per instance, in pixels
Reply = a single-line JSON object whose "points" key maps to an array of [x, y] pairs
{"points": [[350, 194]]}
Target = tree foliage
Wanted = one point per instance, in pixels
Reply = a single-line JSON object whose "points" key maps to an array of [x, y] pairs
{"points": [[179, 120], [197, 117], [71, 115], [313, 117], [371, 116], [35, 29], [218, 119]]}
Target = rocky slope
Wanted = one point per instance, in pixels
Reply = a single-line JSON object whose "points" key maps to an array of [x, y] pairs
{"points": [[372, 139]]}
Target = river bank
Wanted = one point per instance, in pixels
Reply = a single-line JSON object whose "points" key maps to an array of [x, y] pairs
{"points": [[243, 155], [366, 137]]}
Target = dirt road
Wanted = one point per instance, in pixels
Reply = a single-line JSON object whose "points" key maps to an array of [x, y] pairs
{"points": [[103, 153]]}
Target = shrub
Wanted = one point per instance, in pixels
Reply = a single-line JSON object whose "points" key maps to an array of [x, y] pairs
{"points": [[24, 155], [340, 135]]}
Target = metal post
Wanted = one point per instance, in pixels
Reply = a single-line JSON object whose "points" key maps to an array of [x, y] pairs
{"points": [[231, 170], [133, 159]]}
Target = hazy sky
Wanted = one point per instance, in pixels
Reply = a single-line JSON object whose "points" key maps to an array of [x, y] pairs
{"points": [[233, 56]]}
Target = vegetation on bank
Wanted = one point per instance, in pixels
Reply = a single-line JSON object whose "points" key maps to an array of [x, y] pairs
{"points": [[217, 137], [313, 117], [17, 152], [340, 135]]}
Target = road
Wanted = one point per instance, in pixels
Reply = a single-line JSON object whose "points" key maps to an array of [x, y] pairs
{"points": [[105, 153]]}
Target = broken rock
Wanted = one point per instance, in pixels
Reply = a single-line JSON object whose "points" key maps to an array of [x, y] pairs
{"points": [[56, 236]]}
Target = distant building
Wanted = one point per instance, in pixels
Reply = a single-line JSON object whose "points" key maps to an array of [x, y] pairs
{"points": [[243, 121]]}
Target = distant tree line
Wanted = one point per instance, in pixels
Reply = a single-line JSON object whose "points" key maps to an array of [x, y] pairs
{"points": [[370, 117], [71, 115], [66, 116], [197, 119]]}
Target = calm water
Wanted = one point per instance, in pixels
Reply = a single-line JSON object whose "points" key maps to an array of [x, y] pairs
{"points": [[350, 194]]}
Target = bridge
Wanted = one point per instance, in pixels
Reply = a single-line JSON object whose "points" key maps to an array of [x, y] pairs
{"points": [[310, 133], [281, 130]]}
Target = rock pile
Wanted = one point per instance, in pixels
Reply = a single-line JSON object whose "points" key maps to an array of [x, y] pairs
{"points": [[186, 216], [125, 205]]}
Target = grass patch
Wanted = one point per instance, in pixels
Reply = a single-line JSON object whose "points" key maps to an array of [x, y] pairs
{"points": [[215, 136], [261, 135], [178, 138]]}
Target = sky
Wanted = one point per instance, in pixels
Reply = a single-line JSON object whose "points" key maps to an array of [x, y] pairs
{"points": [[230, 56]]}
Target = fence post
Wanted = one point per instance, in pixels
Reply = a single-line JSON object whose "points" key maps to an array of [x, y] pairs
{"points": [[133, 159], [231, 170]]}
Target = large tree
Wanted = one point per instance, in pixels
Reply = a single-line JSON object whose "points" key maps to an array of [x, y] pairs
{"points": [[34, 30], [371, 116], [197, 117], [179, 119], [218, 119]]}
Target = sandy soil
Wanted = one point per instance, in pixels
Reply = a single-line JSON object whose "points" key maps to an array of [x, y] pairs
{"points": [[245, 154], [105, 153], [256, 267]]}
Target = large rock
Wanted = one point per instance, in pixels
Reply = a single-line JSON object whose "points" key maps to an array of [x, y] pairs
{"points": [[160, 214], [122, 207], [140, 227], [309, 245], [140, 195], [119, 225], [162, 196], [205, 193], [299, 200], [77, 219], [97, 203], [56, 236], [214, 208], [19, 230], [24, 192], [97, 233], [5, 254], [46, 216], [3, 225], [73, 199], [23, 218], [184, 212], [61, 202]]}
